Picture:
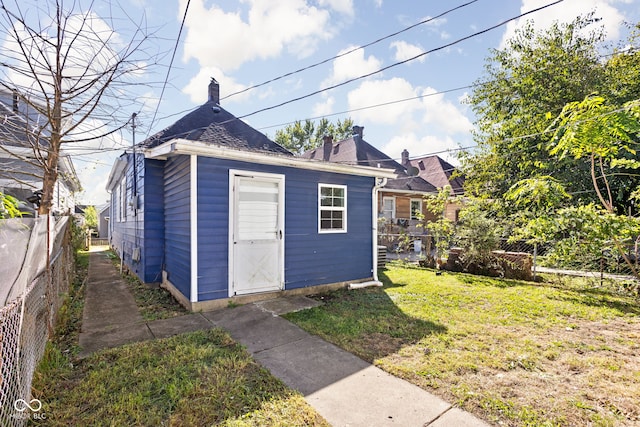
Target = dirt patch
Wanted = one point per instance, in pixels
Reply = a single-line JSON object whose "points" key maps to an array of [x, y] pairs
{"points": [[584, 374], [376, 345]]}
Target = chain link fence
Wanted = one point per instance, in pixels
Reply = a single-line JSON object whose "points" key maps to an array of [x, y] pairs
{"points": [[602, 263], [28, 319]]}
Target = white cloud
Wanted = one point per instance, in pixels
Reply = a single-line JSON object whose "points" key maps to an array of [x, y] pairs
{"points": [[465, 98], [216, 38], [324, 108], [442, 114], [197, 88], [342, 6], [93, 177], [406, 50], [94, 158], [374, 92], [433, 112], [566, 12], [351, 65], [434, 27]]}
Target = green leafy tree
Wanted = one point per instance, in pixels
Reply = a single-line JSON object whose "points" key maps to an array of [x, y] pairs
{"points": [[525, 86], [607, 136], [582, 236], [9, 207], [622, 70], [534, 198], [91, 217], [303, 136], [441, 227], [478, 232]]}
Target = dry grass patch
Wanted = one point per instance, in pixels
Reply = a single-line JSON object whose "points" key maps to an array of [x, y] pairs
{"points": [[513, 353], [200, 378]]}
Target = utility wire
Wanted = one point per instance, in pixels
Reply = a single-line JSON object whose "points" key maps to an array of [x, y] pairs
{"points": [[173, 55], [388, 67], [375, 105], [349, 51], [395, 64]]}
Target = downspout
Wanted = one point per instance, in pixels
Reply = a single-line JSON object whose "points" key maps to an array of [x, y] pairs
{"points": [[374, 214]]}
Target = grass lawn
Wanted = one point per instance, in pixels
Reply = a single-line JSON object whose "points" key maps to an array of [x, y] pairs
{"points": [[200, 378], [514, 353], [153, 303]]}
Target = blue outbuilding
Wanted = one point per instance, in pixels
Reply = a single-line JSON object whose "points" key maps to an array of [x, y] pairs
{"points": [[216, 212]]}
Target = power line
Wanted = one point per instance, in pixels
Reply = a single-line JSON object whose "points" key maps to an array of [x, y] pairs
{"points": [[395, 64], [349, 51], [374, 106], [173, 55], [469, 86], [514, 138]]}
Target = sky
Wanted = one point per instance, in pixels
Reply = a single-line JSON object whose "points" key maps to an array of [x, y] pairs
{"points": [[248, 42]]}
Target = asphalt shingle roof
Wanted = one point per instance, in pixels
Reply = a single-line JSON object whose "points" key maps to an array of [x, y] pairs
{"points": [[212, 124], [438, 172], [356, 151]]}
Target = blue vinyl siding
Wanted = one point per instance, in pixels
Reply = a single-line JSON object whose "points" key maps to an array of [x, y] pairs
{"points": [[127, 232], [310, 258], [213, 228], [152, 199], [177, 223]]}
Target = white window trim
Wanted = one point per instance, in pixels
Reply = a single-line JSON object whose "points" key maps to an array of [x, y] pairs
{"points": [[122, 203], [393, 212], [411, 210], [343, 209]]}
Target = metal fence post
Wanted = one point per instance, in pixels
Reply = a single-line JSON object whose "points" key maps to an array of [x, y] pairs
{"points": [[535, 257]]}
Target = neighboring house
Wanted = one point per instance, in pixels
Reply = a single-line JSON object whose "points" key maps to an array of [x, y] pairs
{"points": [[439, 173], [400, 199], [216, 211], [401, 207], [103, 221], [23, 145]]}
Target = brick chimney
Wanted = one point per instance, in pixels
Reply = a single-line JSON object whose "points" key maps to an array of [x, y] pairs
{"points": [[214, 91], [327, 146], [361, 155], [405, 158], [358, 132]]}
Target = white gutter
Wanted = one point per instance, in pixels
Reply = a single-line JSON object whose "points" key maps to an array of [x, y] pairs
{"points": [[374, 218], [181, 146], [391, 190], [193, 196]]}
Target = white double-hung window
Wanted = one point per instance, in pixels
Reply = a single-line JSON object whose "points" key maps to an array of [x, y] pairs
{"points": [[389, 207], [416, 208], [332, 208]]}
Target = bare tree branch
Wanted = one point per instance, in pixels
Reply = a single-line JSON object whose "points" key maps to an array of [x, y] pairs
{"points": [[73, 73]]}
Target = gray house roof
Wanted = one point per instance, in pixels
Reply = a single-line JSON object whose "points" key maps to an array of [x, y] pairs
{"points": [[210, 123], [438, 172], [356, 151]]}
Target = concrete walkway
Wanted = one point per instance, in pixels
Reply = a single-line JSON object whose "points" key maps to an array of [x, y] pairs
{"points": [[344, 389]]}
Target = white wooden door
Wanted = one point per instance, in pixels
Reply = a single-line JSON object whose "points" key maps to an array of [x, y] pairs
{"points": [[258, 222]]}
